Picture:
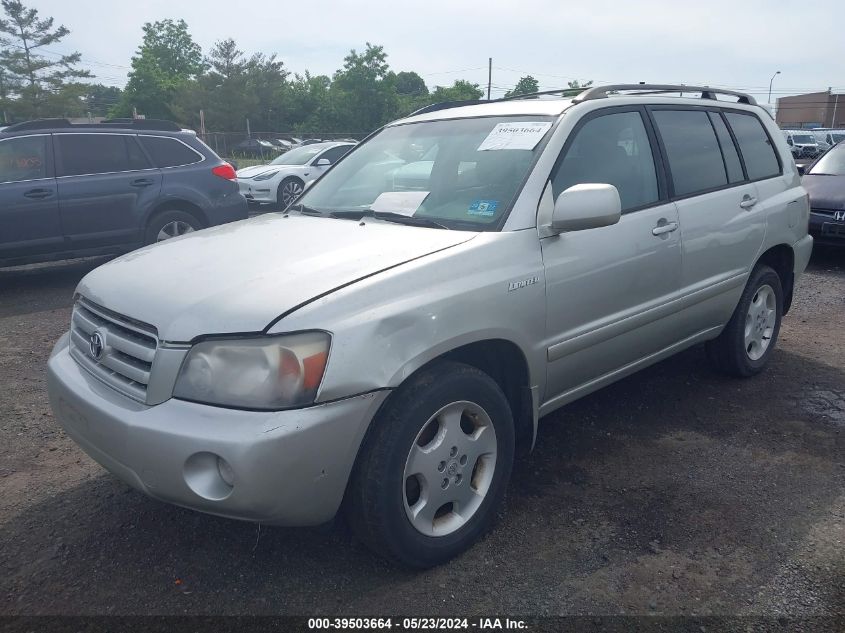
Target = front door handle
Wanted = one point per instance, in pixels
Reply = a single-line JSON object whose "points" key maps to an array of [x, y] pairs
{"points": [[141, 182], [748, 202], [39, 193], [662, 229]]}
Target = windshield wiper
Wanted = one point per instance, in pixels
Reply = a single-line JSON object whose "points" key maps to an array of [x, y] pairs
{"points": [[390, 216], [305, 210]]}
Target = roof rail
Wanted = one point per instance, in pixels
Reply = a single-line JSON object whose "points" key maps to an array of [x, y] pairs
{"points": [[574, 91], [136, 124], [445, 105], [707, 92]]}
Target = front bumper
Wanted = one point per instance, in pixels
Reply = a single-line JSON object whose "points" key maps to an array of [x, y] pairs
{"points": [[257, 193], [826, 229], [287, 467]]}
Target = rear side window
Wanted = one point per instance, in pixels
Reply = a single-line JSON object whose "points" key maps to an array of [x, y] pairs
{"points": [[85, 154], [169, 152], [732, 164], [695, 159], [611, 149], [755, 145], [23, 158]]}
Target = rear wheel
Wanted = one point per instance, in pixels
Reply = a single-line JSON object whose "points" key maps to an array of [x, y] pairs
{"points": [[435, 467], [170, 224], [745, 345], [289, 190]]}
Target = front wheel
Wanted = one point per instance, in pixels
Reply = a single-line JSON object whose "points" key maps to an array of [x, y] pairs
{"points": [[435, 467], [745, 345], [289, 190]]}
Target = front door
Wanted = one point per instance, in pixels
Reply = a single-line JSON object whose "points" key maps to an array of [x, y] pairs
{"points": [[608, 289], [29, 208]]}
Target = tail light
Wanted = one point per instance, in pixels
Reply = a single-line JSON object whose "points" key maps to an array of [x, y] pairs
{"points": [[224, 171]]}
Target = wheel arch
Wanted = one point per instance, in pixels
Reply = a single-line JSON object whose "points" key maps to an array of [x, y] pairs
{"points": [[176, 205], [781, 258]]}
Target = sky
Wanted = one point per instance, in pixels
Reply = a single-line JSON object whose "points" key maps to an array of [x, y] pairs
{"points": [[736, 44]]}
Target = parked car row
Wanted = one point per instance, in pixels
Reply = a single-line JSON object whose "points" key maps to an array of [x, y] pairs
{"points": [[811, 143], [269, 147]]}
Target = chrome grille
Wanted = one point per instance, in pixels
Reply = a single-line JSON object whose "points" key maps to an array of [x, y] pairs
{"points": [[128, 351]]}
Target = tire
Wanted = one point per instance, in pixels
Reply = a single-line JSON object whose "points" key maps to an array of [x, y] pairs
{"points": [[169, 224], [386, 494], [745, 345], [289, 190]]}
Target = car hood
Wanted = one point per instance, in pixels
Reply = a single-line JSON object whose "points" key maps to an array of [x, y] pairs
{"points": [[240, 277], [826, 192], [249, 172]]}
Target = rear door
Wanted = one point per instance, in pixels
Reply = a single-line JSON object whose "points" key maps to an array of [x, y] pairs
{"points": [[722, 222], [106, 185], [29, 209]]}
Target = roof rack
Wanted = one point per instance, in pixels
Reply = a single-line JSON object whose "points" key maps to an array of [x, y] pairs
{"points": [[602, 92], [445, 105], [574, 91], [135, 124]]}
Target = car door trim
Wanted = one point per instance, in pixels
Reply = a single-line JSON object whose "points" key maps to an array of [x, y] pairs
{"points": [[577, 341]]}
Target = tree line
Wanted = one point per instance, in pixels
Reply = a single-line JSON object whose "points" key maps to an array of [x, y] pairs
{"points": [[172, 78]]}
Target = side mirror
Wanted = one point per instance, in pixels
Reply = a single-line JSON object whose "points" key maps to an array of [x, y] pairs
{"points": [[802, 169], [323, 162], [586, 206]]}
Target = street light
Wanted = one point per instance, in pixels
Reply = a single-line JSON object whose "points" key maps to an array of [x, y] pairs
{"points": [[770, 86]]}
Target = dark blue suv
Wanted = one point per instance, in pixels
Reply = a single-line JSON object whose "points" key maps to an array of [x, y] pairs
{"points": [[73, 190]]}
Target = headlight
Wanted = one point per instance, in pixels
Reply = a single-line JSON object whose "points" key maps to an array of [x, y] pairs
{"points": [[266, 175], [273, 372]]}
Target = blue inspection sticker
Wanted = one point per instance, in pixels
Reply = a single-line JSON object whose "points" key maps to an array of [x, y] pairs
{"points": [[485, 208]]}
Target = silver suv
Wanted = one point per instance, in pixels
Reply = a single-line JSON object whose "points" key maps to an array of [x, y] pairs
{"points": [[390, 342]]}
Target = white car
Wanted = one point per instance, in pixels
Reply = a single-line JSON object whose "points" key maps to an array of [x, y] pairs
{"points": [[283, 180]]}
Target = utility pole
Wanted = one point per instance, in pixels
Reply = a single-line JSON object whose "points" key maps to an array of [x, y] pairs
{"points": [[248, 133], [770, 86], [489, 75]]}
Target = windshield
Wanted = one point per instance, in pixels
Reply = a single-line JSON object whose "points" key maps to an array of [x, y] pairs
{"points": [[460, 173], [298, 155], [803, 138], [836, 138], [832, 163]]}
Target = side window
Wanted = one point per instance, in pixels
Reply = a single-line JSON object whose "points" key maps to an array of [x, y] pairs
{"points": [[334, 154], [729, 153], [611, 149], [82, 154], [168, 152], [755, 145], [137, 159], [23, 158], [692, 150]]}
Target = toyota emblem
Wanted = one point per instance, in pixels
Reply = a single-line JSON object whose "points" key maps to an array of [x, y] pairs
{"points": [[96, 345]]}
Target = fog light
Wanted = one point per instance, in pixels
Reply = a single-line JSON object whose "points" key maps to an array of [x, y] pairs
{"points": [[226, 472]]}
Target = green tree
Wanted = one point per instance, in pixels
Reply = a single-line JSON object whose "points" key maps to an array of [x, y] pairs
{"points": [[410, 83], [461, 90], [363, 91], [525, 85], [167, 59], [36, 80], [99, 99]]}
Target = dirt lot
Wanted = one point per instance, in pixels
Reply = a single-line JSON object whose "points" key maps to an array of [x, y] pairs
{"points": [[675, 491]]}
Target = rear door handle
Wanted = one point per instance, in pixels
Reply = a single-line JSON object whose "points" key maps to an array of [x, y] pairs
{"points": [[747, 202], [39, 193], [141, 182], [662, 229]]}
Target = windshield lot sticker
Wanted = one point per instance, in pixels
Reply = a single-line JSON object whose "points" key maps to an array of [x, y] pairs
{"points": [[484, 208], [516, 135], [402, 202]]}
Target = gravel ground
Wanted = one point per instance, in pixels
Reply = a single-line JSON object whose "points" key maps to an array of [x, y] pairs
{"points": [[675, 491]]}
